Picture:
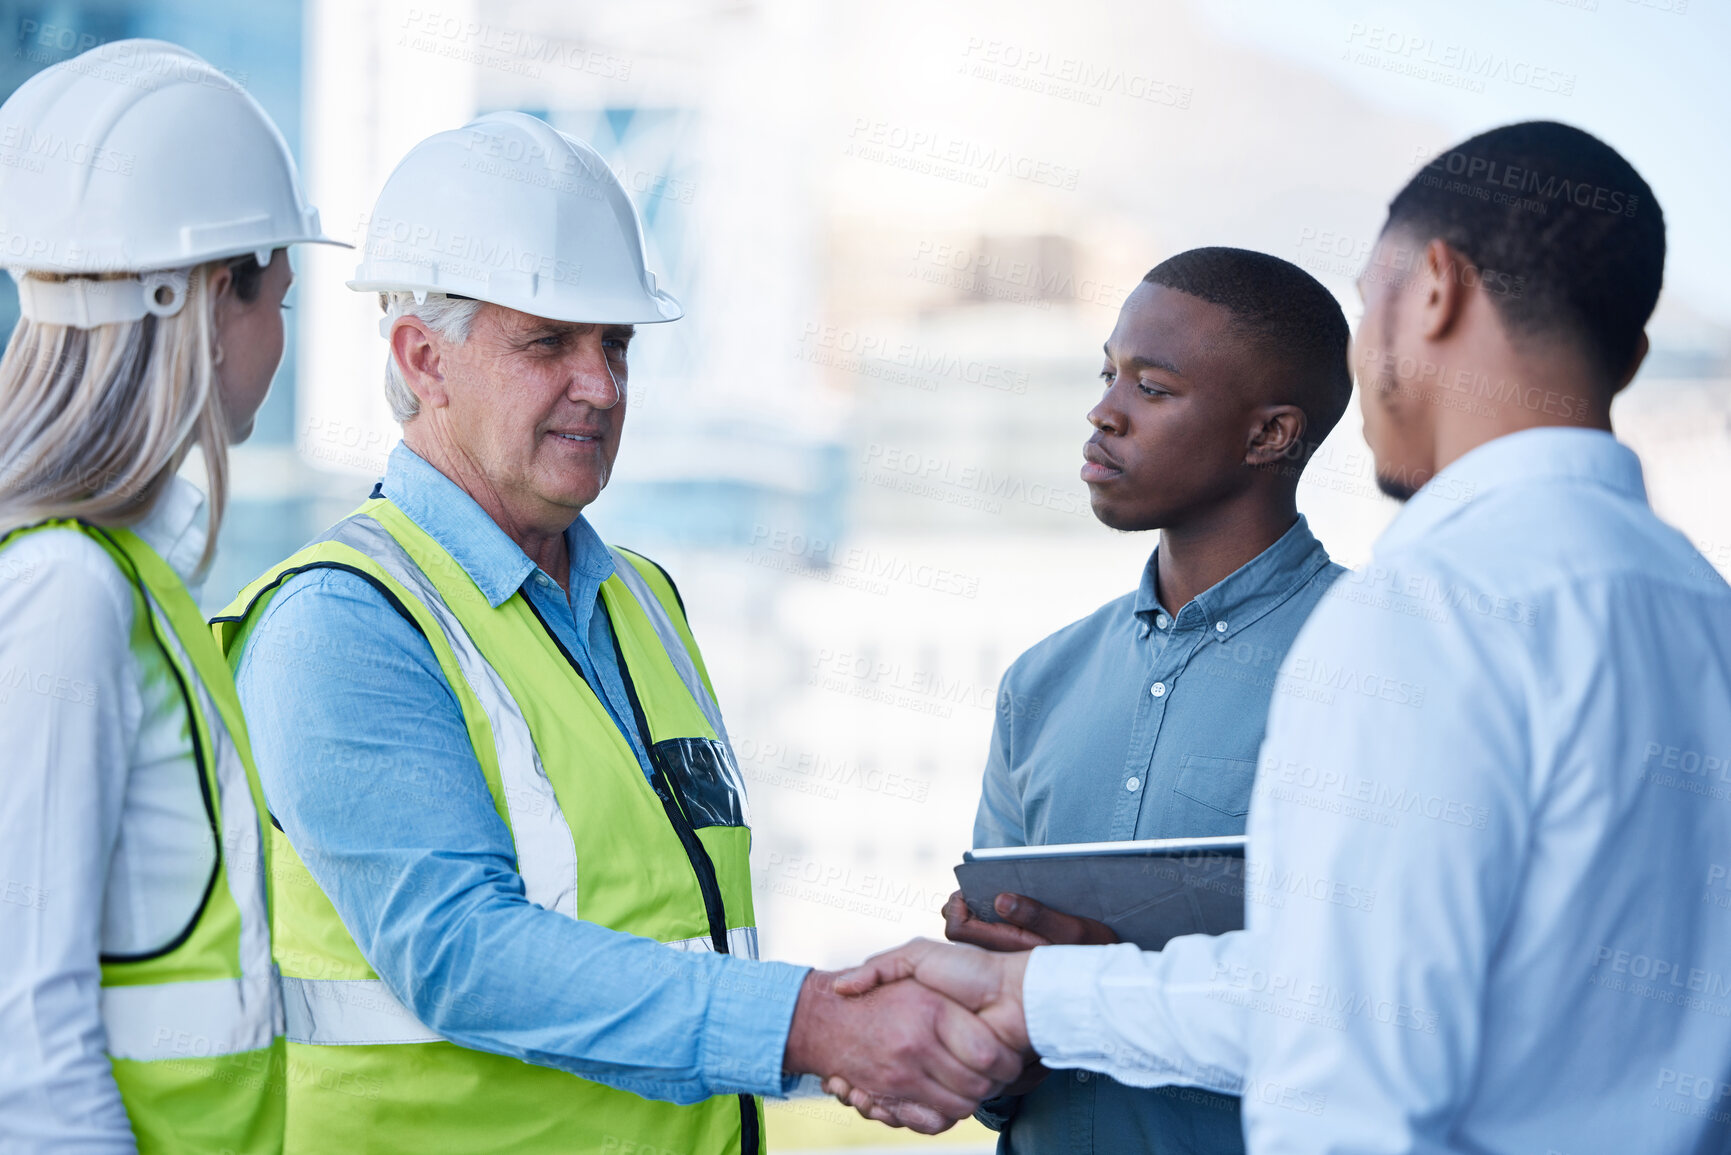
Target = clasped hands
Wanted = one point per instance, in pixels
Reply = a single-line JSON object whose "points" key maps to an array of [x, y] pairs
{"points": [[920, 1035]]}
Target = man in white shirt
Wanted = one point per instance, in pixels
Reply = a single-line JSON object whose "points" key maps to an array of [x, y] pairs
{"points": [[1545, 962]]}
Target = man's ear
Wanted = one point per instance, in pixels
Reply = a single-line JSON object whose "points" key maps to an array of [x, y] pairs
{"points": [[1442, 285], [418, 353], [1641, 348], [1277, 435]]}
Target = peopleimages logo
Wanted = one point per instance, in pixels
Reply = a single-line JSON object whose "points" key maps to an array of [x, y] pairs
{"points": [[23, 147], [1452, 65], [878, 356], [453, 36], [1505, 183], [869, 564], [1065, 77], [955, 158], [464, 254], [61, 686], [971, 486]]}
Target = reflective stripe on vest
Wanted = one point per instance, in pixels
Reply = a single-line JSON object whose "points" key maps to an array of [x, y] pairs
{"points": [[357, 1012], [363, 1012], [741, 941], [242, 844], [349, 1012], [672, 642], [546, 856], [199, 1019]]}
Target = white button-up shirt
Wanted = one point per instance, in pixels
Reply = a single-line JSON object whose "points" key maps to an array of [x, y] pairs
{"points": [[1489, 885]]}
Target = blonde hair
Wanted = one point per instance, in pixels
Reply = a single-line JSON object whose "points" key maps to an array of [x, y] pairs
{"points": [[94, 422]]}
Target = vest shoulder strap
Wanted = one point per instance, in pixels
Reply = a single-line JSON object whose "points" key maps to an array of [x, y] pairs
{"points": [[654, 591], [659, 583], [348, 547], [237, 619]]}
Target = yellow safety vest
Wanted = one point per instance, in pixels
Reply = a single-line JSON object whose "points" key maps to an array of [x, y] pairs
{"points": [[194, 1028], [667, 860]]}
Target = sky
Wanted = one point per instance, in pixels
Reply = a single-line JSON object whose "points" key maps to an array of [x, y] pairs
{"points": [[1650, 77]]}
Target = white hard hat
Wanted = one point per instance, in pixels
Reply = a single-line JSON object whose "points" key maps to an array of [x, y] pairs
{"points": [[138, 157], [510, 210]]}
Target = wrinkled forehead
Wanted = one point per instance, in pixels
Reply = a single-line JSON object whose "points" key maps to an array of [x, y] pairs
{"points": [[511, 322]]}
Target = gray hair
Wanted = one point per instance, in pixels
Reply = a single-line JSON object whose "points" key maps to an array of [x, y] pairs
{"points": [[449, 317]]}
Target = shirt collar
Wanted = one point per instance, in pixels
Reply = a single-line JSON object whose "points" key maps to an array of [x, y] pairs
{"points": [[176, 528], [496, 564], [1247, 593], [1547, 453]]}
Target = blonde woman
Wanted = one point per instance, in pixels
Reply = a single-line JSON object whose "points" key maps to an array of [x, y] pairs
{"points": [[146, 202]]}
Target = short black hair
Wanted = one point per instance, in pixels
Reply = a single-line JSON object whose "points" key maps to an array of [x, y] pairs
{"points": [[1572, 233], [1285, 313]]}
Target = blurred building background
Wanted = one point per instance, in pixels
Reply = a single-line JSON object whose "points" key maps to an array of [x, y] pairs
{"points": [[901, 232]]}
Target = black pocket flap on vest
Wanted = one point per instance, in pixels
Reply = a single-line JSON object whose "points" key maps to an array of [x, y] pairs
{"points": [[706, 780]]}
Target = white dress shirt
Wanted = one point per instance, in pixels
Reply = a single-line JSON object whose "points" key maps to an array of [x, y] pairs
{"points": [[105, 846], [1489, 883]]}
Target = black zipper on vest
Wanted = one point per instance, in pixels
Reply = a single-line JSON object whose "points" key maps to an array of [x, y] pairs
{"points": [[675, 807], [701, 866], [695, 852], [559, 645]]}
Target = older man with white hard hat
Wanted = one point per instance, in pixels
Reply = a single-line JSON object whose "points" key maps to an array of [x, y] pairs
{"points": [[514, 898]]}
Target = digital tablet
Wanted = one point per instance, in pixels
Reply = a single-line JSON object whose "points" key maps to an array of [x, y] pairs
{"points": [[1147, 891]]}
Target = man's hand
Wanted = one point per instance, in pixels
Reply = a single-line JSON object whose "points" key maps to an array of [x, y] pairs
{"points": [[928, 1060], [988, 984], [1027, 924]]}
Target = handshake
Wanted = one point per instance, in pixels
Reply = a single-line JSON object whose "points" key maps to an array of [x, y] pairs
{"points": [[921, 1035]]}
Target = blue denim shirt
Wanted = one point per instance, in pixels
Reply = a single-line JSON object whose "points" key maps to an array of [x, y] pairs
{"points": [[1135, 723], [368, 768]]}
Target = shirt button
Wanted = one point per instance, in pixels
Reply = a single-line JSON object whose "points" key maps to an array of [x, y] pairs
{"points": [[1081, 1076], [1162, 620], [1220, 627], [1158, 689], [1133, 785]]}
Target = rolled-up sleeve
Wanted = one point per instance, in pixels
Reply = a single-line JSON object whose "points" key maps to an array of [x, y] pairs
{"points": [[368, 768]]}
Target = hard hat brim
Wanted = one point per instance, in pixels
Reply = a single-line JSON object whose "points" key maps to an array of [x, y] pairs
{"points": [[667, 307], [243, 250]]}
